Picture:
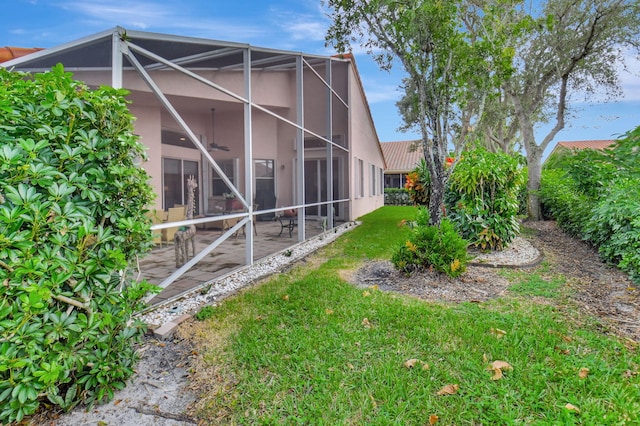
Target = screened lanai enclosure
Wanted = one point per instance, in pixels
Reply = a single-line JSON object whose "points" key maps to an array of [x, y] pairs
{"points": [[280, 145]]}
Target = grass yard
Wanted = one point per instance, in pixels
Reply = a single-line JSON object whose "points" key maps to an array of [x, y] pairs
{"points": [[307, 347]]}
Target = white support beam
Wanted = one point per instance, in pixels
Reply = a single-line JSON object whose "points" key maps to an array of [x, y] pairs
{"points": [[248, 154], [326, 82], [330, 194], [116, 60], [300, 145]]}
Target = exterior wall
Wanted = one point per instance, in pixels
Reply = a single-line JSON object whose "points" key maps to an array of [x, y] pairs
{"points": [[148, 126], [272, 138], [365, 147]]}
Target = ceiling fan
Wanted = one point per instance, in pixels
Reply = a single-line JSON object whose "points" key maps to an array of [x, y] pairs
{"points": [[213, 146]]}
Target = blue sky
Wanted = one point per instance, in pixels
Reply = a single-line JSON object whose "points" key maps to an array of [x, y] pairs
{"points": [[297, 25]]}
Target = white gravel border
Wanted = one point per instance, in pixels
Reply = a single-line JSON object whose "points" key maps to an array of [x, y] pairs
{"points": [[209, 292]]}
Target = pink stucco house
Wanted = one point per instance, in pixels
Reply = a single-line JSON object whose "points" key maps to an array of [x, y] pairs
{"points": [[276, 129]]}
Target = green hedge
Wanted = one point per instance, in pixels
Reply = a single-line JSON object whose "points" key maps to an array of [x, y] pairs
{"points": [[596, 196], [396, 197], [72, 204]]}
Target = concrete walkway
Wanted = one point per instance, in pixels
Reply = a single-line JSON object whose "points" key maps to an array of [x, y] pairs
{"points": [[230, 255]]}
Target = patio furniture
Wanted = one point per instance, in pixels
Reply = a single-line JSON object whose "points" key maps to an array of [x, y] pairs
{"points": [[175, 214], [228, 223], [287, 223], [156, 219]]}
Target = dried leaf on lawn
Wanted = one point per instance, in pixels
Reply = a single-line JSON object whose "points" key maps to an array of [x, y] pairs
{"points": [[285, 297], [497, 367], [502, 365], [572, 407], [497, 374], [366, 323], [583, 373], [410, 363], [328, 311], [366, 293], [433, 419], [449, 389], [497, 332]]}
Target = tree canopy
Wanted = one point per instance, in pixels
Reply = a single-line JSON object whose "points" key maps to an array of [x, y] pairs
{"points": [[454, 58], [570, 47]]}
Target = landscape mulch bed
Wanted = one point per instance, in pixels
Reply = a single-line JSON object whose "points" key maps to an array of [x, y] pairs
{"points": [[599, 289]]}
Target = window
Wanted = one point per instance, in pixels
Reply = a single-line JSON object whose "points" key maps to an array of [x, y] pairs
{"points": [[372, 176], [380, 180], [265, 176], [228, 166], [393, 181], [359, 178], [265, 187], [175, 173]]}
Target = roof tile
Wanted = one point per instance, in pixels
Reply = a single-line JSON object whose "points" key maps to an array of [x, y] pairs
{"points": [[7, 53], [398, 156]]}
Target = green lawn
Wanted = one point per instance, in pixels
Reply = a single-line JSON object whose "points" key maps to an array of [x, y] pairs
{"points": [[308, 348]]}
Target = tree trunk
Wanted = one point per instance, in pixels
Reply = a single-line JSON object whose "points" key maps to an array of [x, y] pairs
{"points": [[534, 164], [436, 201]]}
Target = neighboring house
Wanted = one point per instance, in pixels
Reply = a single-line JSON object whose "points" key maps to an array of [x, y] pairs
{"points": [[8, 53], [277, 129], [577, 145], [401, 158]]}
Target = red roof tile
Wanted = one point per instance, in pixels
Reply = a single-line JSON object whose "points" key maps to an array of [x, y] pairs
{"points": [[398, 156], [591, 144], [7, 53]]}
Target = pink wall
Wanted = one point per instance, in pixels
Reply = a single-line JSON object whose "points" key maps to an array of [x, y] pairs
{"points": [[272, 138]]}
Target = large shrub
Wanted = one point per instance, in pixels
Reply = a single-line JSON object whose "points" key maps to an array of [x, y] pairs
{"points": [[72, 202], [614, 226], [482, 198], [563, 201], [438, 247], [596, 195]]}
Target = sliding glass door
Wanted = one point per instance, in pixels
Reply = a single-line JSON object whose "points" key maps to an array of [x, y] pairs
{"points": [[315, 185]]}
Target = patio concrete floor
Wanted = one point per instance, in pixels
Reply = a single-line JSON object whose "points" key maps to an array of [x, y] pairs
{"points": [[230, 255]]}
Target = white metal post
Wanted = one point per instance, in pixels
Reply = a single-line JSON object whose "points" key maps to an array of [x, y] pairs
{"points": [[330, 194], [300, 146], [116, 59], [248, 156]]}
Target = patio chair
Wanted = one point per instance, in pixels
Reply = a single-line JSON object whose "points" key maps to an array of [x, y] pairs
{"points": [[288, 220], [155, 219], [175, 214]]}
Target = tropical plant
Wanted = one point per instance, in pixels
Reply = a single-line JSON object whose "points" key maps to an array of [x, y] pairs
{"points": [[418, 185], [482, 198], [72, 205], [432, 247]]}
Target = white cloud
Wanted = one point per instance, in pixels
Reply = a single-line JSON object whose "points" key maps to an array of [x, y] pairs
{"points": [[379, 91], [162, 17], [135, 14]]}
